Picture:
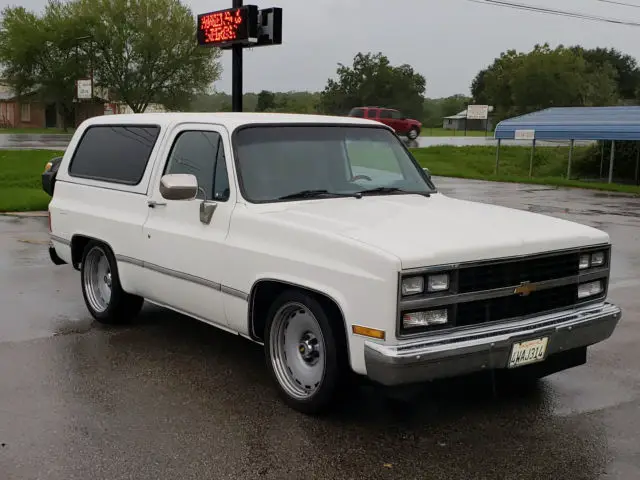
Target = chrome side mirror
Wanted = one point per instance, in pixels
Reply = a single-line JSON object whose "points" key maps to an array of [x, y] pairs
{"points": [[179, 186]]}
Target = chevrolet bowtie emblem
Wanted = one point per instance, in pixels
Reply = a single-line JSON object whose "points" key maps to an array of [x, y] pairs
{"points": [[524, 289]]}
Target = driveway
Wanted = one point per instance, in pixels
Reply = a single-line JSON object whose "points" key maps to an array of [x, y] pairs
{"points": [[171, 398]]}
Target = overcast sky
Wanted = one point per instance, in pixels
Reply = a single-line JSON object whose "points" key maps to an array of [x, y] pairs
{"points": [[448, 41]]}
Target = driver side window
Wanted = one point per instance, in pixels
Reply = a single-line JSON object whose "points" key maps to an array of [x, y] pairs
{"points": [[201, 153]]}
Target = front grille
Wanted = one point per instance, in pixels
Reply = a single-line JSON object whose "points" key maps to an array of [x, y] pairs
{"points": [[495, 309], [507, 273], [510, 273]]}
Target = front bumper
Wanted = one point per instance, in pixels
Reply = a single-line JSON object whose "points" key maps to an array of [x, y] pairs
{"points": [[489, 347]]}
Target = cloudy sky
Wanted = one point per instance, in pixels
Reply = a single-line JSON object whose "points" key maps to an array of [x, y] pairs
{"points": [[448, 41]]}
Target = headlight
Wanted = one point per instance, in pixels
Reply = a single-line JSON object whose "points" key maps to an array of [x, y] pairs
{"points": [[590, 260], [590, 289], [425, 319], [585, 261], [438, 283], [597, 259], [412, 285]]}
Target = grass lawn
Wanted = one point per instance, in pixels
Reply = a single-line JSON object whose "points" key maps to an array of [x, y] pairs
{"points": [[35, 131], [441, 132], [20, 182], [549, 166]]}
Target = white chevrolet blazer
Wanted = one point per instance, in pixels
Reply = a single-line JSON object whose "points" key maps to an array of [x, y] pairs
{"points": [[322, 239]]}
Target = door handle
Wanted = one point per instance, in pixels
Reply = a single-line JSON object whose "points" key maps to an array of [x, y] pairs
{"points": [[154, 204]]}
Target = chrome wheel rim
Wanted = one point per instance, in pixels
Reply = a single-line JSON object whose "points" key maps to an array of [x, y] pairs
{"points": [[97, 279], [297, 350], [413, 135]]}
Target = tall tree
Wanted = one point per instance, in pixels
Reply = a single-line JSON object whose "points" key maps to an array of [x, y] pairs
{"points": [[625, 66], [372, 80], [39, 54], [518, 83], [145, 51], [266, 101]]}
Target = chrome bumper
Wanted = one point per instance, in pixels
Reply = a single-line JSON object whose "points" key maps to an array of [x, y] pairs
{"points": [[460, 353]]}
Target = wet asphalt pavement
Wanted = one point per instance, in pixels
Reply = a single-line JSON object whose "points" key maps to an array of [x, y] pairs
{"points": [[30, 141], [27, 141], [170, 398]]}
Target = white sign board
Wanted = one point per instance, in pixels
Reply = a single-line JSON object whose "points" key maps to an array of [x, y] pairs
{"points": [[84, 89], [478, 112], [525, 134]]}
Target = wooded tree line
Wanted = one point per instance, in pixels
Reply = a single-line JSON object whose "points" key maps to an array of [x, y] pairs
{"points": [[143, 51], [517, 83]]}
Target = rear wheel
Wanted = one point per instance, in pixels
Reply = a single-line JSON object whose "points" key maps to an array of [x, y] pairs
{"points": [[305, 354], [103, 295], [413, 133]]}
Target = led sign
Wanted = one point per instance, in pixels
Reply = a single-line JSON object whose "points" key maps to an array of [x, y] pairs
{"points": [[225, 28]]}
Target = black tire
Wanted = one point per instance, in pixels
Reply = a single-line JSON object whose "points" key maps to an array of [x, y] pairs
{"points": [[121, 307], [413, 134], [336, 368]]}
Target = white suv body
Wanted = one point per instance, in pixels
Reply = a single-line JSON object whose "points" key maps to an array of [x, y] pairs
{"points": [[362, 267]]}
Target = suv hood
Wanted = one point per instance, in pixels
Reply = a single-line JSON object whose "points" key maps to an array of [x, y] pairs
{"points": [[423, 231]]}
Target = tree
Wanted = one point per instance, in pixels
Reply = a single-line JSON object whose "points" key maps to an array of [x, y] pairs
{"points": [[145, 51], [266, 101], [40, 56], [518, 83], [435, 109], [372, 80], [625, 67]]}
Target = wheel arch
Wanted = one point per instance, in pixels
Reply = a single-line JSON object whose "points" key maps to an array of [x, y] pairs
{"points": [[265, 289], [78, 243]]}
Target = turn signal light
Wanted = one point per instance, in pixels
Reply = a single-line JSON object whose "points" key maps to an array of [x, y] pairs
{"points": [[368, 332]]}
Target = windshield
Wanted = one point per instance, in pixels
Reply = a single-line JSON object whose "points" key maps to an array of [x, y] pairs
{"points": [[275, 162]]}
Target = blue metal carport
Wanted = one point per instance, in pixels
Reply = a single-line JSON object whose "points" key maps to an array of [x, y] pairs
{"points": [[573, 123]]}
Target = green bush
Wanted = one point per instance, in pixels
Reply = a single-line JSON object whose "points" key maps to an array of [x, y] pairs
{"points": [[624, 167]]}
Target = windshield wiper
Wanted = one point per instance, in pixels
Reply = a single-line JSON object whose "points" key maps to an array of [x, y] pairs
{"points": [[383, 190], [317, 194]]}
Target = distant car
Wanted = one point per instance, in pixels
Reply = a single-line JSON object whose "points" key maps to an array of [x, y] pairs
{"points": [[393, 118], [49, 175]]}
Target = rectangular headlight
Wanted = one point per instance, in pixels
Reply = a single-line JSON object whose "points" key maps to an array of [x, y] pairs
{"points": [[590, 289], [438, 283], [412, 286], [425, 319], [585, 261], [597, 259]]}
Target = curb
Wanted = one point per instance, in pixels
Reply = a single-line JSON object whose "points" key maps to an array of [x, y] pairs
{"points": [[25, 214]]}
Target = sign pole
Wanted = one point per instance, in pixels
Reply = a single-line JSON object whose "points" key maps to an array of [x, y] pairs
{"points": [[236, 88]]}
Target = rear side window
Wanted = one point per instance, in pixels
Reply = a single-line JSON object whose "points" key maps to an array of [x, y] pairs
{"points": [[114, 153], [372, 113], [357, 112], [385, 114]]}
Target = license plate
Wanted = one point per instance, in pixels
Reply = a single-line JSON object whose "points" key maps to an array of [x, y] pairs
{"points": [[531, 351]]}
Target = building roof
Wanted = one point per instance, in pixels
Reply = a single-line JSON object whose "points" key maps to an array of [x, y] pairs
{"points": [[463, 114], [227, 119], [576, 123]]}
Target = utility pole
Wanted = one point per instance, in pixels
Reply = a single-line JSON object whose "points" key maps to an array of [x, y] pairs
{"points": [[236, 88]]}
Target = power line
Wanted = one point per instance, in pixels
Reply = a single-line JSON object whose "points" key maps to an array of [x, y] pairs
{"points": [[552, 11], [633, 5]]}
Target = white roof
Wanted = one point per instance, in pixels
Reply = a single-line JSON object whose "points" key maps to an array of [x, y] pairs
{"points": [[463, 114], [229, 120]]}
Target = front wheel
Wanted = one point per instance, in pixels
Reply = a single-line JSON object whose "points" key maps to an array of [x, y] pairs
{"points": [[413, 133], [304, 353], [103, 295]]}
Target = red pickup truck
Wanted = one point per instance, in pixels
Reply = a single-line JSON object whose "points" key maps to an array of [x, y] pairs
{"points": [[393, 118]]}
